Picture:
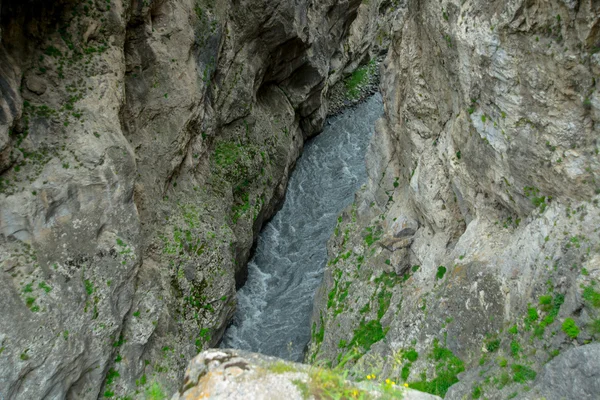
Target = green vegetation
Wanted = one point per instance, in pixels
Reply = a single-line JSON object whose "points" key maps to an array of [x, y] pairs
{"points": [[532, 193], [532, 315], [557, 301], [372, 235], [359, 78], [411, 355], [522, 374], [325, 383], [89, 287], [447, 367], [155, 392], [281, 367], [594, 327], [111, 375], [227, 153], [545, 300], [515, 348], [591, 296], [367, 334], [570, 328], [441, 271], [492, 345]]}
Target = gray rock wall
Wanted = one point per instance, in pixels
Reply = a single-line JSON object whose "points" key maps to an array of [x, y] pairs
{"points": [[474, 247], [142, 145]]}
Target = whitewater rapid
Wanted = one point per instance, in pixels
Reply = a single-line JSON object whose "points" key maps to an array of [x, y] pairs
{"points": [[275, 304]]}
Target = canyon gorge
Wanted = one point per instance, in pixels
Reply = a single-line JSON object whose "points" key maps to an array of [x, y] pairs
{"points": [[144, 145]]}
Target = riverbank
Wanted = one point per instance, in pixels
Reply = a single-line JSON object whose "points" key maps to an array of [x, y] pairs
{"points": [[355, 88]]}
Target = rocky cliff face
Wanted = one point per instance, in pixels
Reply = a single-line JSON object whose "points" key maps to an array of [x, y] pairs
{"points": [[473, 251], [142, 145]]}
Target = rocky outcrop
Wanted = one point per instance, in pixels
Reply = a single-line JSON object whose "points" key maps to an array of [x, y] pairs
{"points": [[572, 375], [234, 374], [474, 246], [142, 146]]}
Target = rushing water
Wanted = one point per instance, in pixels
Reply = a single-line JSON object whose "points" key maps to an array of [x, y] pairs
{"points": [[275, 305]]}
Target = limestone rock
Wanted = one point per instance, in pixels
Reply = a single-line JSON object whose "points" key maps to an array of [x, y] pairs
{"points": [[236, 375], [142, 146], [404, 227], [489, 144], [574, 374]]}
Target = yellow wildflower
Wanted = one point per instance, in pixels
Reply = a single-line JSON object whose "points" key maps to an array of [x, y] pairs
{"points": [[406, 385], [387, 381], [369, 377]]}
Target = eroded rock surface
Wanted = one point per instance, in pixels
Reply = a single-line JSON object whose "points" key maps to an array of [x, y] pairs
{"points": [[142, 145], [235, 374], [474, 247]]}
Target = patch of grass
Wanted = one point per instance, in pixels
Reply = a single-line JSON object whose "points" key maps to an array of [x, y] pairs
{"points": [[447, 367], [89, 287], [359, 78], [111, 376], [515, 348], [281, 367], [405, 373], [557, 301], [570, 328], [591, 296], [594, 327], [302, 387], [532, 314], [44, 286], [330, 384], [545, 300], [155, 392], [476, 393], [522, 373], [372, 236], [367, 334]]}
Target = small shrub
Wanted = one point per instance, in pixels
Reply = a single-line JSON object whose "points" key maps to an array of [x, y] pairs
{"points": [[493, 345], [411, 355], [441, 271], [570, 328]]}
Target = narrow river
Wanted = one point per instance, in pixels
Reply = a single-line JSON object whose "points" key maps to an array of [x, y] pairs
{"points": [[275, 304]]}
